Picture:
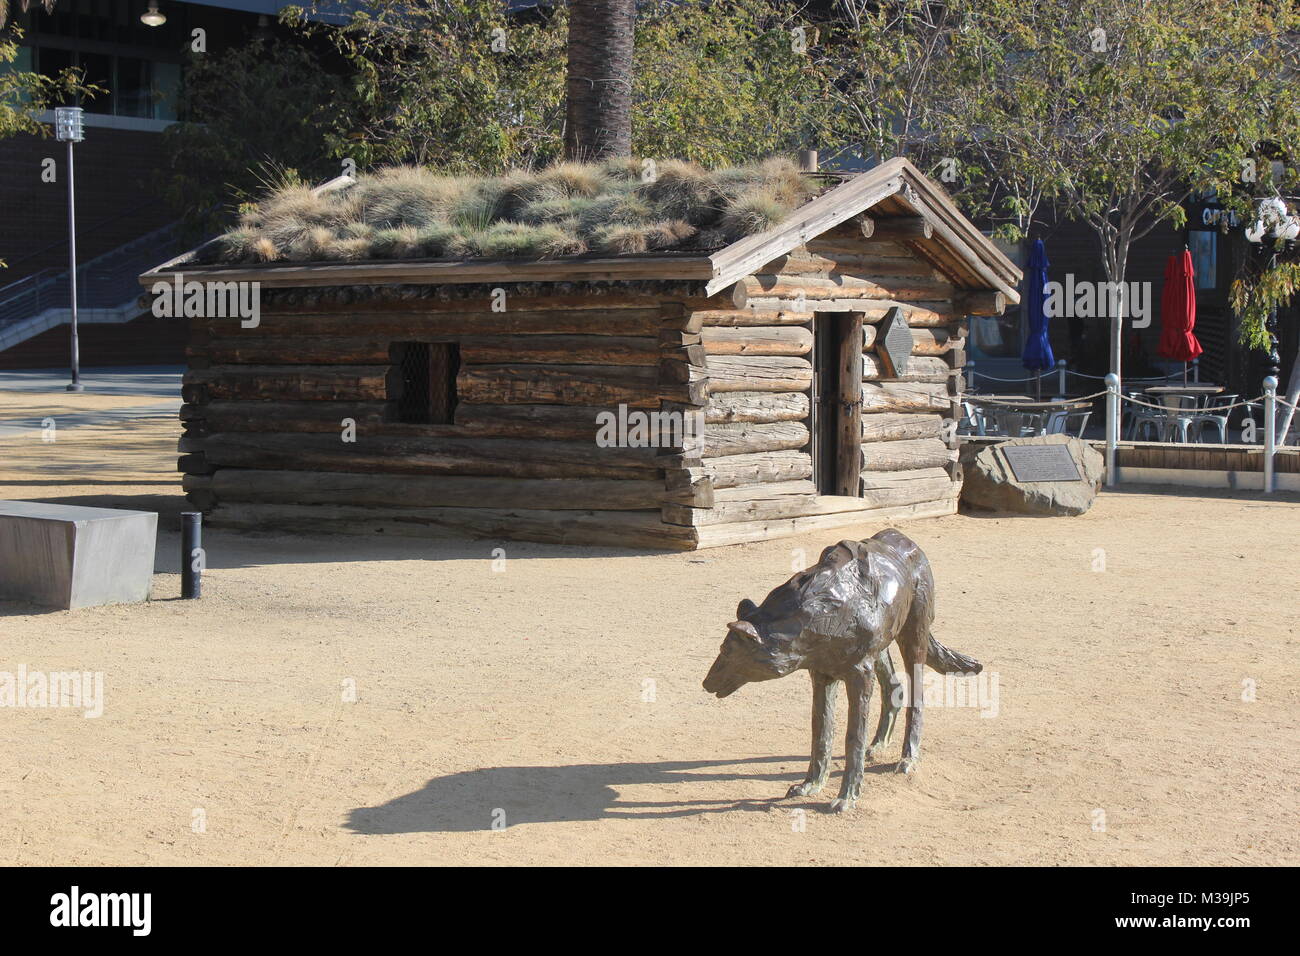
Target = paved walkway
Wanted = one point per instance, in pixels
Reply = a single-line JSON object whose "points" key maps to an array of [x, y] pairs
{"points": [[158, 381], [157, 388]]}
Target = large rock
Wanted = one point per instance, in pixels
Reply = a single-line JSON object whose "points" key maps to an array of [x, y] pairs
{"points": [[989, 482]]}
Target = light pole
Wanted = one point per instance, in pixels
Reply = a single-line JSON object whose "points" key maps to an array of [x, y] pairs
{"points": [[68, 129]]}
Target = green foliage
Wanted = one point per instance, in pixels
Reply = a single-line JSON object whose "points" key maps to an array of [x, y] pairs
{"points": [[258, 116], [1253, 299], [430, 89], [454, 85], [720, 83], [23, 94]]}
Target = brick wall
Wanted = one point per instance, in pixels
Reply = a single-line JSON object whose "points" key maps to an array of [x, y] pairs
{"points": [[116, 198]]}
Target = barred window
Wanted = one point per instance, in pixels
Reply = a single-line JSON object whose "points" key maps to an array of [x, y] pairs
{"points": [[422, 382]]}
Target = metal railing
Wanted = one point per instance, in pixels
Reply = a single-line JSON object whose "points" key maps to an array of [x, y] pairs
{"points": [[1269, 401], [108, 281]]}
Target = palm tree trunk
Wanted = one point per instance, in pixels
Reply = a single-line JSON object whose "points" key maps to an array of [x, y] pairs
{"points": [[598, 111]]}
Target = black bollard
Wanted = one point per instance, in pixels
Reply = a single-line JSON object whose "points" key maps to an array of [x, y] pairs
{"points": [[191, 554]]}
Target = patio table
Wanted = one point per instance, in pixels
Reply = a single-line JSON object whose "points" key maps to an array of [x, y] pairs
{"points": [[1170, 397], [1011, 413]]}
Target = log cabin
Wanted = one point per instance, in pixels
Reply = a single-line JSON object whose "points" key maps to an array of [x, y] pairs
{"points": [[805, 376]]}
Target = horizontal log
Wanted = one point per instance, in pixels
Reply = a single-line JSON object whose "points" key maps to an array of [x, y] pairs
{"points": [[900, 228], [198, 490], [897, 426], [779, 314], [635, 386], [935, 341], [746, 438], [626, 529], [848, 240], [763, 340], [500, 457], [756, 407], [905, 397], [766, 490], [920, 368], [280, 382], [294, 350], [919, 314], [758, 373], [559, 350], [365, 320], [814, 289], [906, 455], [936, 486], [571, 422], [742, 532], [194, 463], [278, 416], [981, 302], [754, 469], [865, 265], [343, 488]]}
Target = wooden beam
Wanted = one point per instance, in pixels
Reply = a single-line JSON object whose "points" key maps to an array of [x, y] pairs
{"points": [[475, 491], [273, 275], [897, 228], [761, 340], [758, 373], [980, 302]]}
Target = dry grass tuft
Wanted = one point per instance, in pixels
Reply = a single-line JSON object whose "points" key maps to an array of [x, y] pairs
{"points": [[615, 207]]}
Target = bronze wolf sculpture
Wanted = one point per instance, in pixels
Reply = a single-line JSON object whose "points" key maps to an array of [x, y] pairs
{"points": [[836, 620]]}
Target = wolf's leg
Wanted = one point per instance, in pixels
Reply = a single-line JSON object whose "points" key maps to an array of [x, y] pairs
{"points": [[891, 693], [823, 732], [855, 741], [913, 642]]}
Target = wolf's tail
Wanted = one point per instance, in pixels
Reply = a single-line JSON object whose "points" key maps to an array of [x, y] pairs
{"points": [[947, 661]]}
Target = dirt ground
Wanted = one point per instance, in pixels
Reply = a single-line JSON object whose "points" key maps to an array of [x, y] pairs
{"points": [[558, 692]]}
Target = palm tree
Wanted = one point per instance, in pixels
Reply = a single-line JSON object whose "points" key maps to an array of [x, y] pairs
{"points": [[24, 5], [598, 110]]}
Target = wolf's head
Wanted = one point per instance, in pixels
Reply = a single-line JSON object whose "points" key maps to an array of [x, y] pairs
{"points": [[754, 649], [823, 612]]}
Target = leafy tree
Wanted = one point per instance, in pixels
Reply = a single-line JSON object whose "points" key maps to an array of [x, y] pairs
{"points": [[449, 83], [1117, 113], [723, 82], [257, 114]]}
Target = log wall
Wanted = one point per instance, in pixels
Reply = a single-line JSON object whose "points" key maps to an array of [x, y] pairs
{"points": [[292, 423], [755, 455]]}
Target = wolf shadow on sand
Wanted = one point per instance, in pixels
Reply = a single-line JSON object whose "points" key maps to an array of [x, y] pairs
{"points": [[466, 801]]}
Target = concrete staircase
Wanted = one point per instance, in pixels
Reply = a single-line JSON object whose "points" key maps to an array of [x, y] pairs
{"points": [[108, 290]]}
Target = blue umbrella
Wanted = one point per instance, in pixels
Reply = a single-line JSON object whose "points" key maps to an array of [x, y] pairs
{"points": [[1037, 356]]}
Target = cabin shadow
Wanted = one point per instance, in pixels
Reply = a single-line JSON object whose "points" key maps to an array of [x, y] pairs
{"points": [[473, 799]]}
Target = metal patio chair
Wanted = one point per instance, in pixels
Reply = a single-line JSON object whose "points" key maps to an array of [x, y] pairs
{"points": [[1214, 413]]}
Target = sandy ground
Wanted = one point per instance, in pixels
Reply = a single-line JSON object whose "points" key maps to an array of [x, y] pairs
{"points": [[559, 693]]}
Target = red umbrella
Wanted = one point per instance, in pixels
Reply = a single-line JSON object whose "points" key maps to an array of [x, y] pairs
{"points": [[1178, 311]]}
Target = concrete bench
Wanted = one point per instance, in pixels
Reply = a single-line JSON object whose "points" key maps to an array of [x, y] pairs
{"points": [[65, 556]]}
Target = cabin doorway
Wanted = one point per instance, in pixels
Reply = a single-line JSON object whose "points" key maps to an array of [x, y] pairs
{"points": [[835, 407]]}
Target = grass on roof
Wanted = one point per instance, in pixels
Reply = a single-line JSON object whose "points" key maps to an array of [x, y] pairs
{"points": [[569, 209]]}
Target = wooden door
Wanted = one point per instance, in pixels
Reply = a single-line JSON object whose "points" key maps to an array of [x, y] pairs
{"points": [[835, 423]]}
